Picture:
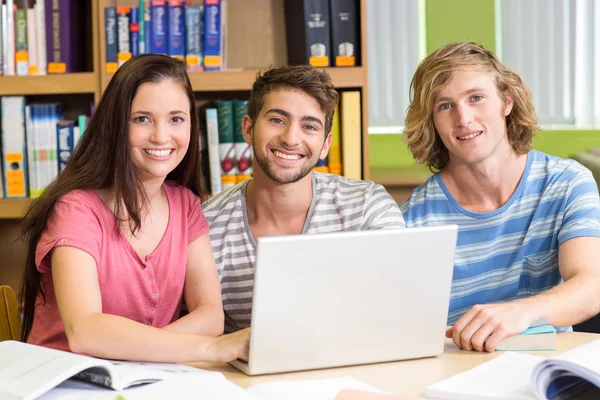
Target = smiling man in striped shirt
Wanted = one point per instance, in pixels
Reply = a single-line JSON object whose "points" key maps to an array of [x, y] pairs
{"points": [[289, 119], [528, 248]]}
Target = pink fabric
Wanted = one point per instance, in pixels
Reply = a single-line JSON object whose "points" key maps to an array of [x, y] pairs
{"points": [[148, 291]]}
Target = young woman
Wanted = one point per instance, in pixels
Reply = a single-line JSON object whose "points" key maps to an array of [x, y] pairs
{"points": [[119, 238]]}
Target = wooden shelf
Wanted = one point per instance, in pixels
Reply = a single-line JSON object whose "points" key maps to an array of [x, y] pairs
{"points": [[13, 208], [241, 80], [82, 82]]}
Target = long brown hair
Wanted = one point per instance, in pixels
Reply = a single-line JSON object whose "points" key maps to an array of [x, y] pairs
{"points": [[102, 160], [434, 72]]}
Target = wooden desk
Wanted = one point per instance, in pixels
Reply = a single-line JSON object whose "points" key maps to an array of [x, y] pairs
{"points": [[403, 377]]}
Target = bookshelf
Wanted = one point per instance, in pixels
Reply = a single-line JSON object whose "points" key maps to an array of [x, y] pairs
{"points": [[83, 82], [256, 41], [13, 208]]}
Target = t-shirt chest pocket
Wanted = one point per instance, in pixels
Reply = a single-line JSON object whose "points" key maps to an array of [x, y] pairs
{"points": [[538, 264]]}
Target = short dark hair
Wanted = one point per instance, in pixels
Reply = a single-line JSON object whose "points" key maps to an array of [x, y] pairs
{"points": [[315, 83]]}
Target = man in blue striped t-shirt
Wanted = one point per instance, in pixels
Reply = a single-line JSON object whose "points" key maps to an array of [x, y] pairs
{"points": [[528, 248]]}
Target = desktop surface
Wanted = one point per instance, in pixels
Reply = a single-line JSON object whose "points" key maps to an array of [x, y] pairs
{"points": [[408, 377]]}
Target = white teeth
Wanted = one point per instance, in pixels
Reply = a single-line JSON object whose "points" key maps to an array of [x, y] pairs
{"points": [[471, 136], [158, 153], [287, 156]]}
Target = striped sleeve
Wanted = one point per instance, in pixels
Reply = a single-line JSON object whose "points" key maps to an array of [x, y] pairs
{"points": [[582, 209], [382, 211]]}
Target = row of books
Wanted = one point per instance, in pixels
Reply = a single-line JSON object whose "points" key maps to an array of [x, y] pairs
{"points": [[227, 158], [323, 33], [180, 29], [43, 36], [37, 142]]}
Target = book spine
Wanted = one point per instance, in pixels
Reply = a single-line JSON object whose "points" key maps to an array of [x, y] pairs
{"points": [[10, 39], [134, 31], [193, 29], [212, 133], [32, 42], [111, 33], [30, 150], [65, 142], [142, 27], [123, 45], [33, 144], [40, 17], [226, 144], [2, 47], [213, 57], [22, 53], [176, 31], [61, 39], [147, 27], [56, 117], [82, 121], [243, 151], [14, 147], [345, 32], [158, 21], [351, 134], [322, 166], [334, 157], [307, 28]]}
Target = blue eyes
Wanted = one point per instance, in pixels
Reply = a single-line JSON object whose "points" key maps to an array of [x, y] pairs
{"points": [[472, 99]]}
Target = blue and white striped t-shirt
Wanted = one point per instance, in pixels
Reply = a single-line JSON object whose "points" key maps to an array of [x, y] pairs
{"points": [[512, 252]]}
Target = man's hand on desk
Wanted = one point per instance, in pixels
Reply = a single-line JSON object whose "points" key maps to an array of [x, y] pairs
{"points": [[484, 326], [229, 347]]}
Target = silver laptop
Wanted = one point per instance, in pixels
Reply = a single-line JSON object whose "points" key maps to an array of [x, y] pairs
{"points": [[348, 298]]}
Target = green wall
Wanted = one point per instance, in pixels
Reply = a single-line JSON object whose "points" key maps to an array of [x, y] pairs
{"points": [[389, 151], [448, 21], [473, 20]]}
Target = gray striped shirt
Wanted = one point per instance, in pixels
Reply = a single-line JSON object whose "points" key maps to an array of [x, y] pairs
{"points": [[338, 204]]}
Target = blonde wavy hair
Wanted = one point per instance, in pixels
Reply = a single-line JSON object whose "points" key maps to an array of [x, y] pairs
{"points": [[434, 72]]}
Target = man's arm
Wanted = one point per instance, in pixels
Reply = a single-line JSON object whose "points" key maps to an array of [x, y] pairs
{"points": [[484, 326]]}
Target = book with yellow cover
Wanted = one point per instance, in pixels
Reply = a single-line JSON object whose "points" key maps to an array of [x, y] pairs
{"points": [[351, 134], [334, 157]]}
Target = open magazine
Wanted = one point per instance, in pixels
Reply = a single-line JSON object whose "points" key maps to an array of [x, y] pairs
{"points": [[28, 371], [573, 374], [33, 372]]}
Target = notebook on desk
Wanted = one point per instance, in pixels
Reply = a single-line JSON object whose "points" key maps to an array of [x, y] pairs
{"points": [[349, 298]]}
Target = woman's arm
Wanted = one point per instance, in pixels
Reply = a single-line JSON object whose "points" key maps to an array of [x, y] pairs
{"points": [[202, 292], [91, 332]]}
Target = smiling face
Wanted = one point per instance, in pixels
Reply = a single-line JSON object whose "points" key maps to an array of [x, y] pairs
{"points": [[469, 116], [159, 129], [288, 136]]}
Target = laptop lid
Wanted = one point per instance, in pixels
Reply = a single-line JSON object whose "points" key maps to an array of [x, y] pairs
{"points": [[347, 298]]}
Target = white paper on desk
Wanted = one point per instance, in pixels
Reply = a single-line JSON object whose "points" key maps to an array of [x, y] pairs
{"points": [[314, 389], [207, 386], [505, 377]]}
